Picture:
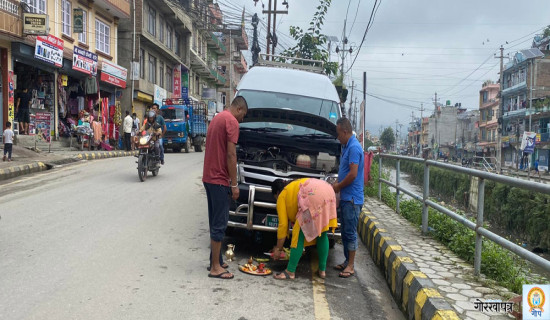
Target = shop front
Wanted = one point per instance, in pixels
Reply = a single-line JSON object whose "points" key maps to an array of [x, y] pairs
{"points": [[112, 80]]}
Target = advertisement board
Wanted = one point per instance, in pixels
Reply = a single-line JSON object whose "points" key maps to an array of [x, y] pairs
{"points": [[35, 24], [185, 85], [11, 108], [113, 74], [49, 49], [160, 94], [528, 142], [84, 61], [43, 126], [78, 20], [177, 82]]}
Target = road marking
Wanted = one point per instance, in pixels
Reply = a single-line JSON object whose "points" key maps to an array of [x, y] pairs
{"points": [[320, 303]]}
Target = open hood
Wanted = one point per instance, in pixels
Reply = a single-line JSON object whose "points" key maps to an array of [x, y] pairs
{"points": [[287, 116]]}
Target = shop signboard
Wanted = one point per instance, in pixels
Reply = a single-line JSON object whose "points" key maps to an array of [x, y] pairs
{"points": [[11, 111], [177, 82], [208, 94], [35, 24], [84, 61], [78, 26], [185, 85], [49, 49], [528, 142], [160, 94], [113, 74], [43, 126]]}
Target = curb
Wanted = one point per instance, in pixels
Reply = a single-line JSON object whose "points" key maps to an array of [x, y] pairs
{"points": [[412, 290], [38, 166]]}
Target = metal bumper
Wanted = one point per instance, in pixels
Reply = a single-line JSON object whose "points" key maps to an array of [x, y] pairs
{"points": [[247, 210]]}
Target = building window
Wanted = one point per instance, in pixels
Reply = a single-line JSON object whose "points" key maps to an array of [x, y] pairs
{"points": [[169, 80], [169, 33], [161, 74], [142, 63], [102, 36], [485, 96], [82, 37], [177, 44], [152, 69], [66, 17], [152, 23], [197, 90], [161, 29], [36, 6]]}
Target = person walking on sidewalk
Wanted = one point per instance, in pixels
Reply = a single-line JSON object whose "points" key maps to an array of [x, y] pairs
{"points": [[127, 127], [219, 177], [8, 141], [350, 185]]}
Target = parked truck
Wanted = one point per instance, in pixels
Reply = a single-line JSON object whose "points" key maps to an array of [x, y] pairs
{"points": [[186, 124]]}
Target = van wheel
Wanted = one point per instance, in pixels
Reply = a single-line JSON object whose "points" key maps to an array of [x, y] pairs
{"points": [[198, 148]]}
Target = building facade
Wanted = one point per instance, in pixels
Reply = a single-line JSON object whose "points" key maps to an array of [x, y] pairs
{"points": [[488, 121]]}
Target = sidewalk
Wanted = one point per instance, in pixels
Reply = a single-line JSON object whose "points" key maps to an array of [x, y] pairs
{"points": [[427, 280], [25, 161]]}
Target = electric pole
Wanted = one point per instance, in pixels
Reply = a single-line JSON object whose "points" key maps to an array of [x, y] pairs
{"points": [[396, 134], [272, 38], [499, 113], [351, 102], [255, 46], [435, 114]]}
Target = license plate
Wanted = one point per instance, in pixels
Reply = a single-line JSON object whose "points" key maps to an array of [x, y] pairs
{"points": [[272, 221], [169, 140]]}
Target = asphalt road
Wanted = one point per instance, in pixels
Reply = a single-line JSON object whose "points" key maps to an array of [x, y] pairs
{"points": [[89, 241]]}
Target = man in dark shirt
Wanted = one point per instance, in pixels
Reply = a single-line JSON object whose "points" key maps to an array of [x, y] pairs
{"points": [[22, 109], [162, 123]]}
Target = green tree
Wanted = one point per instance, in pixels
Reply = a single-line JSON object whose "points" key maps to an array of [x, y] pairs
{"points": [[387, 138], [310, 43]]}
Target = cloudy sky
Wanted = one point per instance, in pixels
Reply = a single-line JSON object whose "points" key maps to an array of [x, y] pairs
{"points": [[414, 48]]}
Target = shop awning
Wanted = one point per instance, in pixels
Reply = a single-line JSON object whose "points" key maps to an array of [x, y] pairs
{"points": [[138, 95]]}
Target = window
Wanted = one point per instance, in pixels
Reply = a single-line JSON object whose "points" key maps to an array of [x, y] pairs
{"points": [[177, 44], [152, 69], [102, 36], [66, 13], [169, 80], [152, 23], [142, 63], [36, 6], [169, 33], [485, 96], [161, 74], [161, 29], [82, 37]]}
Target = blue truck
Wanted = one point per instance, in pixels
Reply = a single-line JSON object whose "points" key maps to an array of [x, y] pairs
{"points": [[186, 124]]}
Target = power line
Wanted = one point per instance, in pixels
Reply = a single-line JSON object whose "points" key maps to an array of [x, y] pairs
{"points": [[369, 25]]}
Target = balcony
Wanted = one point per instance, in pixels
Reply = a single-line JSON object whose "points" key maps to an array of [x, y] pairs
{"points": [[214, 42], [10, 21], [198, 64], [515, 88], [220, 79], [118, 8]]}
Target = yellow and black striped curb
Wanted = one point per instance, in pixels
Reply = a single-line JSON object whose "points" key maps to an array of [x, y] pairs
{"points": [[412, 290], [16, 171], [104, 155]]}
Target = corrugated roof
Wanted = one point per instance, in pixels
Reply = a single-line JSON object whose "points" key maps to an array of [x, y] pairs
{"points": [[532, 53]]}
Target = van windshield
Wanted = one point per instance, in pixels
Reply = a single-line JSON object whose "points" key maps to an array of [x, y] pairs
{"points": [[275, 100], [173, 114]]}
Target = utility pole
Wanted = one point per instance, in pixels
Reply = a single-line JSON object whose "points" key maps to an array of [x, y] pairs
{"points": [[345, 41], [255, 46], [228, 102], [396, 134], [499, 113], [435, 114], [272, 38], [350, 103]]}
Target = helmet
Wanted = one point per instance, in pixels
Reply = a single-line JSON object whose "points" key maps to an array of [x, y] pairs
{"points": [[151, 114]]}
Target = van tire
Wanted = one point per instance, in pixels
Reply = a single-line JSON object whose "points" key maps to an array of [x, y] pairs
{"points": [[198, 148]]}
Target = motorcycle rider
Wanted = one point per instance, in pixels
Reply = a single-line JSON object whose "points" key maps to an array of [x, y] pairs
{"points": [[154, 128]]}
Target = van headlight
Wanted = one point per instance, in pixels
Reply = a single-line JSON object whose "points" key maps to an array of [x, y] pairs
{"points": [[331, 178]]}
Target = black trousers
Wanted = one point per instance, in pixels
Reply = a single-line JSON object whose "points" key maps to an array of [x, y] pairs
{"points": [[128, 141]]}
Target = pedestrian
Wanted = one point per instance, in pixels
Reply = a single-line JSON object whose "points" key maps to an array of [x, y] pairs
{"points": [[219, 177], [350, 185], [537, 167], [127, 128], [8, 141], [162, 123], [135, 128], [311, 205], [22, 109]]}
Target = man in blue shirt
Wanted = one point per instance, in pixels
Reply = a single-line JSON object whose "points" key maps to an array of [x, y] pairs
{"points": [[162, 123], [350, 185]]}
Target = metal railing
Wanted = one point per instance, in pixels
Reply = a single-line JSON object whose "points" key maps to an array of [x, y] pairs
{"points": [[477, 227]]}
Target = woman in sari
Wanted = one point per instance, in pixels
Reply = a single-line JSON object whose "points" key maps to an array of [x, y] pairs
{"points": [[311, 205]]}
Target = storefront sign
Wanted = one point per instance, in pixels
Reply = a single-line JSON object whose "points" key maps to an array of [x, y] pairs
{"points": [[208, 94], [36, 24], [78, 25], [84, 61], [49, 49], [11, 111], [160, 94], [43, 126], [528, 142], [185, 85], [177, 82], [113, 74], [64, 80]]}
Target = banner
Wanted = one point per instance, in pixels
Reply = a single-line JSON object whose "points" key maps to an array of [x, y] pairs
{"points": [[78, 25], [43, 126], [84, 61], [528, 142], [160, 94], [49, 49], [177, 82], [113, 74], [11, 108], [185, 85]]}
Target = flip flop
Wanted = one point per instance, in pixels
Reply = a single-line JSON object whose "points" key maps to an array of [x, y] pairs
{"points": [[220, 276], [320, 276], [225, 266], [346, 274], [340, 267], [287, 276]]}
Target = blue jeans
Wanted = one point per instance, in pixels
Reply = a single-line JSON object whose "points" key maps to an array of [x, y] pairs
{"points": [[349, 217], [161, 149]]}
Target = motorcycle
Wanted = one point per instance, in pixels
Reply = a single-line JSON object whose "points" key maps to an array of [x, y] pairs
{"points": [[148, 160]]}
